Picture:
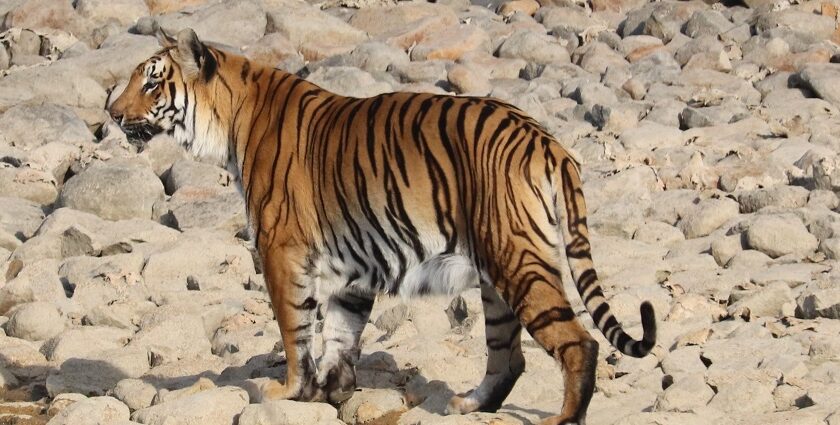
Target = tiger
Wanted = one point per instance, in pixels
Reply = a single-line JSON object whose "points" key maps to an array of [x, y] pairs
{"points": [[400, 194]]}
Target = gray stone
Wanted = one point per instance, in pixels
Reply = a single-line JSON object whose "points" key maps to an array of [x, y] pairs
{"points": [[20, 217], [831, 248], [135, 393], [688, 392], [785, 197], [707, 217], [63, 401], [170, 337], [35, 321], [818, 302], [83, 342], [27, 183], [37, 281], [22, 359], [707, 22], [207, 208], [533, 47], [774, 300], [651, 135], [778, 235], [218, 406], [370, 404], [235, 23], [98, 373], [375, 56], [190, 173], [824, 80], [348, 81], [723, 249], [30, 126], [92, 411], [287, 412], [113, 191]]}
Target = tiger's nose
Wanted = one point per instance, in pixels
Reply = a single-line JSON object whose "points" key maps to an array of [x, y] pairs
{"points": [[116, 116]]}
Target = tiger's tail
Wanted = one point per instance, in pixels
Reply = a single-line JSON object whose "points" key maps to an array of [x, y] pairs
{"points": [[572, 213]]}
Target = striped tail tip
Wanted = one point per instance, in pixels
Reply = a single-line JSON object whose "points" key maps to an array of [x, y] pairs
{"points": [[643, 347]]}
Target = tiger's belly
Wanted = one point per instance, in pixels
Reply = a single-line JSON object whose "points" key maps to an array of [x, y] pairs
{"points": [[395, 268]]}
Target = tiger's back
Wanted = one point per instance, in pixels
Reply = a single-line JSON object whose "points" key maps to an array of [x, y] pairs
{"points": [[402, 194]]}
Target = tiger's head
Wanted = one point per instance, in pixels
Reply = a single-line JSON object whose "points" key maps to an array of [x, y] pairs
{"points": [[179, 91]]}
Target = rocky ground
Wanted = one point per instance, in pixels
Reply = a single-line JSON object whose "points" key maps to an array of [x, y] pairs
{"points": [[709, 135]]}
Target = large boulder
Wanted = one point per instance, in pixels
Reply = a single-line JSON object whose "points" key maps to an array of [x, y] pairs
{"points": [[113, 191]]}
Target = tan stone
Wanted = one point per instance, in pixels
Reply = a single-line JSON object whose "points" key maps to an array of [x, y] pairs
{"points": [[405, 24], [271, 49], [497, 67], [451, 43], [469, 80], [165, 6], [643, 52], [41, 14], [528, 7]]}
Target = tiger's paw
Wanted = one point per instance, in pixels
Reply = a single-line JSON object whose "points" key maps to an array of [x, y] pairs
{"points": [[462, 404], [273, 390]]}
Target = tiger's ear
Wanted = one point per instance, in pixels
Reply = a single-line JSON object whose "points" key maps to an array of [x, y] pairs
{"points": [[194, 56], [163, 37]]}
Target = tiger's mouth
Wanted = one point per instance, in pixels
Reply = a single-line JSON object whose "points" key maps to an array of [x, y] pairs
{"points": [[140, 132]]}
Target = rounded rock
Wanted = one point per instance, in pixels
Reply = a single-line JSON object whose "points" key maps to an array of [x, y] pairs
{"points": [[35, 322], [778, 235], [113, 191]]}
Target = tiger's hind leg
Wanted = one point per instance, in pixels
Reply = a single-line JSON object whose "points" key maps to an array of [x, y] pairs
{"points": [[538, 299], [293, 298], [346, 317], [505, 361]]}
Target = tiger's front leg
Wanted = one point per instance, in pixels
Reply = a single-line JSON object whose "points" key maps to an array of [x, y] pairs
{"points": [[293, 298], [347, 314]]}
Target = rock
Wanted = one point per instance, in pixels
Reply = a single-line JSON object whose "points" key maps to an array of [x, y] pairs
{"points": [[744, 396], [35, 321], [785, 197], [404, 24], [287, 412], [126, 12], [43, 14], [831, 248], [707, 22], [22, 359], [92, 411], [194, 208], [775, 300], [688, 392], [527, 7], [234, 23], [135, 393], [7, 379], [533, 47], [816, 198], [190, 173], [451, 43], [818, 302], [392, 318], [98, 373], [83, 342], [20, 217], [314, 33], [63, 401], [348, 81], [171, 337], [113, 191], [124, 314], [650, 136], [468, 80], [57, 85], [218, 406], [220, 264], [27, 183], [30, 126], [800, 23], [162, 151], [824, 80], [778, 235], [657, 232], [37, 281], [272, 49], [370, 404], [709, 215]]}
